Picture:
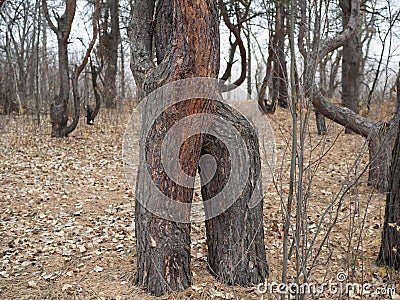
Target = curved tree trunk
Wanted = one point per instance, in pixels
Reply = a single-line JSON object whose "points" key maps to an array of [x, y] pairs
{"points": [[235, 238], [381, 137], [187, 40], [389, 254], [59, 109]]}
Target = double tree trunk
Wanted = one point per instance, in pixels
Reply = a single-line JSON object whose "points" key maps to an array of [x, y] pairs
{"points": [[389, 254], [187, 45]]}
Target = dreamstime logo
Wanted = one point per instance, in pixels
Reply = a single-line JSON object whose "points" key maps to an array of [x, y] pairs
{"points": [[165, 127], [332, 287]]}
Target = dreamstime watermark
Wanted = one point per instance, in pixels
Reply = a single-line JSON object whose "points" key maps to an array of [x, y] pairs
{"points": [[339, 286], [154, 163]]}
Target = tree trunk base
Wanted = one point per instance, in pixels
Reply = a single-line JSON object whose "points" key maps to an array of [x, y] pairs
{"points": [[58, 120], [321, 126], [163, 253]]}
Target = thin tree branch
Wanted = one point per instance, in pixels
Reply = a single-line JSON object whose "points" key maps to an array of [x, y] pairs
{"points": [[78, 70], [330, 44], [47, 16], [70, 9], [242, 49]]}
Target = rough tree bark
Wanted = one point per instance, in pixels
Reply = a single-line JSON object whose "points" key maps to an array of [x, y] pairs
{"points": [[389, 254], [187, 45], [351, 63], [110, 41]]}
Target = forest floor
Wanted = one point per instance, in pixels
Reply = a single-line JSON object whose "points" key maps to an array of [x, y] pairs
{"points": [[67, 215]]}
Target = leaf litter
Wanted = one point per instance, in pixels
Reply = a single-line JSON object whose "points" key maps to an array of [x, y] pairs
{"points": [[67, 215]]}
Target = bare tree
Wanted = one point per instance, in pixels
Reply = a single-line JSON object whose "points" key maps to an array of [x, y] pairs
{"points": [[276, 70], [91, 113], [380, 134], [59, 108], [109, 42], [389, 254], [235, 30], [187, 45]]}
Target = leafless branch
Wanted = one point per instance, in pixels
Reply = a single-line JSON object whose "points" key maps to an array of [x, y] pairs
{"points": [[242, 49]]}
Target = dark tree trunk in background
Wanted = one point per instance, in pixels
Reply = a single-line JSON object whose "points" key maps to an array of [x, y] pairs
{"points": [[248, 40], [351, 63], [110, 41], [187, 45], [91, 113], [389, 254], [280, 79], [59, 108], [276, 64]]}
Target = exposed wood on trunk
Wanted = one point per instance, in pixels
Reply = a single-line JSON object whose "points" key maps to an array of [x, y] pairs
{"points": [[185, 48], [186, 36]]}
